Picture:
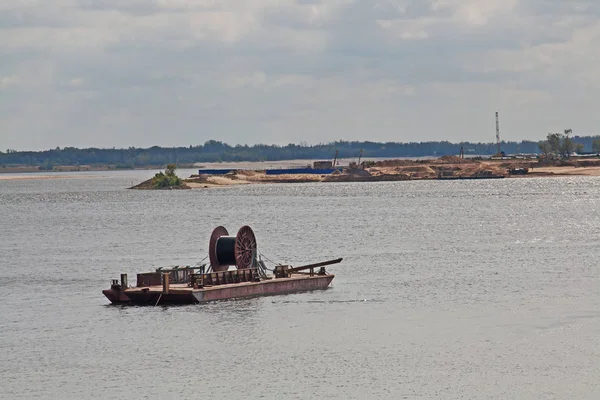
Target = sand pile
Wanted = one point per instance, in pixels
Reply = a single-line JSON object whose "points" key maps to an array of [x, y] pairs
{"points": [[454, 160], [478, 169], [513, 164], [447, 167], [358, 172], [247, 172], [226, 180], [286, 178], [415, 169]]}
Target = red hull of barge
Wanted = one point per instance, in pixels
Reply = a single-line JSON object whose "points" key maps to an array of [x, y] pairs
{"points": [[183, 294]]}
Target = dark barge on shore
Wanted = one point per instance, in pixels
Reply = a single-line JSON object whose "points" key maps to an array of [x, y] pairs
{"points": [[199, 284]]}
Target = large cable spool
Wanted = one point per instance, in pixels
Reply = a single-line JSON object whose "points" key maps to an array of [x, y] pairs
{"points": [[225, 250]]}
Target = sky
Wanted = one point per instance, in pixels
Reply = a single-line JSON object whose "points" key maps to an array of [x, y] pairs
{"points": [[120, 73]]}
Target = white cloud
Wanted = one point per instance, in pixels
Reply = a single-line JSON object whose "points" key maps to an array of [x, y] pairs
{"points": [[171, 72]]}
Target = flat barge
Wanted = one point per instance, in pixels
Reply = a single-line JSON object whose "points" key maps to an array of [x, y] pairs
{"points": [[200, 284]]}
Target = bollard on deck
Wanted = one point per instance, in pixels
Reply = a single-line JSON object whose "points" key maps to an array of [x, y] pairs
{"points": [[165, 282]]}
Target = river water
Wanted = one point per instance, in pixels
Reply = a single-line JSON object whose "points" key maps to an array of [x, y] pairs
{"points": [[465, 289]]}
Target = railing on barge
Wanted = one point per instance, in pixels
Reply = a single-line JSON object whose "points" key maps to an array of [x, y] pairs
{"points": [[224, 277], [176, 275], [186, 275], [199, 279]]}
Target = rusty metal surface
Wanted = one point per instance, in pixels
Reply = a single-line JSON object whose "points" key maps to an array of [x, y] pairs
{"points": [[165, 283], [116, 295], [227, 277], [183, 294], [149, 279], [264, 288], [245, 247], [316, 265]]}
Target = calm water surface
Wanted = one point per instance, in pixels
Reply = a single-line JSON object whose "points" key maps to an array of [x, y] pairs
{"points": [[464, 289]]}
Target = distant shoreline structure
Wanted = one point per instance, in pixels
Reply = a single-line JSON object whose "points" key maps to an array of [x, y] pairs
{"points": [[446, 168], [88, 159]]}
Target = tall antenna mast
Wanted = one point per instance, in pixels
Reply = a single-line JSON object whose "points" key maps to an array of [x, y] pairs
{"points": [[497, 134]]}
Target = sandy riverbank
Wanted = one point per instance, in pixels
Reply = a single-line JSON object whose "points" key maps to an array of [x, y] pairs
{"points": [[564, 171], [377, 170], [447, 167]]}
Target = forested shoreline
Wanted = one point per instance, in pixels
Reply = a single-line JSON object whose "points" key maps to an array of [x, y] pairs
{"points": [[216, 151]]}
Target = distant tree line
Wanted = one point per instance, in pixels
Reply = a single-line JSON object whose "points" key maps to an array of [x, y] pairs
{"points": [[216, 151], [563, 146]]}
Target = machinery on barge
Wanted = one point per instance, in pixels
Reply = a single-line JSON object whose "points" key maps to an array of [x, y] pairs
{"points": [[216, 281]]}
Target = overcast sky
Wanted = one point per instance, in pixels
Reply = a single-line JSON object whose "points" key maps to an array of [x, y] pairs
{"points": [[122, 73]]}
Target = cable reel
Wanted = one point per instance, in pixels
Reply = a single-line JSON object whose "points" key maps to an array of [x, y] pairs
{"points": [[225, 251]]}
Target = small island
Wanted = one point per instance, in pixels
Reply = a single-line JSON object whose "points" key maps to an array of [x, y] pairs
{"points": [[163, 181]]}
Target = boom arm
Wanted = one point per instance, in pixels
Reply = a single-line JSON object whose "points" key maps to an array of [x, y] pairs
{"points": [[317, 265]]}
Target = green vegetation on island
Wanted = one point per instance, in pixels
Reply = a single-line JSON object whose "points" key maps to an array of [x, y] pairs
{"points": [[163, 180], [167, 179]]}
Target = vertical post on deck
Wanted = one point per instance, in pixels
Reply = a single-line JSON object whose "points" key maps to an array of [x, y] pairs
{"points": [[165, 282], [124, 281]]}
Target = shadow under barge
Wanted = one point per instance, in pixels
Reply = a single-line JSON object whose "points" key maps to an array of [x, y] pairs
{"points": [[199, 284]]}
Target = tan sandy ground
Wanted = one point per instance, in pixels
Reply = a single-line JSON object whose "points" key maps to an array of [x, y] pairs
{"points": [[415, 171], [571, 171], [285, 178], [196, 185], [248, 177], [216, 181]]}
